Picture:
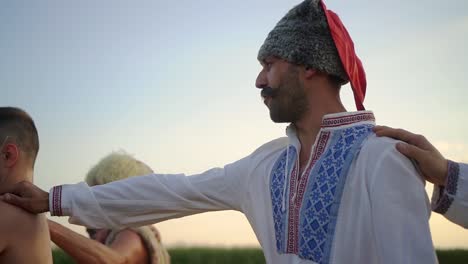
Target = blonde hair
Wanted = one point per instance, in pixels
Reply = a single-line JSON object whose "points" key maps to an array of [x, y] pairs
{"points": [[116, 166]]}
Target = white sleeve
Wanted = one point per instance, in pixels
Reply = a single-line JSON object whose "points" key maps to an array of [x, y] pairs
{"points": [[400, 211], [452, 200], [152, 198]]}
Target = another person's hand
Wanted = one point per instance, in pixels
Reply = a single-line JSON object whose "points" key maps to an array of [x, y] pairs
{"points": [[26, 196], [432, 164], [53, 226], [51, 223], [101, 235]]}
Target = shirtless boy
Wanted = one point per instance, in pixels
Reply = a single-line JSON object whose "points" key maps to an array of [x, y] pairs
{"points": [[24, 237]]}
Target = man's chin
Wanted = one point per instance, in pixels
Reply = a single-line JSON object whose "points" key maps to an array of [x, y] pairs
{"points": [[267, 101], [278, 119]]}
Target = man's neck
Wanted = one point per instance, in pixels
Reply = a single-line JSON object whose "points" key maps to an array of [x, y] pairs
{"points": [[308, 127]]}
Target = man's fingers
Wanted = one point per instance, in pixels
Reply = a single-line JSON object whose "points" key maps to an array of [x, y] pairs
{"points": [[13, 200], [15, 188], [395, 133], [8, 189], [403, 135], [379, 128], [411, 151]]}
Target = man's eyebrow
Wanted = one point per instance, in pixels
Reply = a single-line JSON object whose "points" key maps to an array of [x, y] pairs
{"points": [[267, 60]]}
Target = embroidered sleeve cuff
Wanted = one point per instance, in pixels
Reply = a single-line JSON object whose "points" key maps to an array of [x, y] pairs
{"points": [[55, 201], [60, 200], [443, 196]]}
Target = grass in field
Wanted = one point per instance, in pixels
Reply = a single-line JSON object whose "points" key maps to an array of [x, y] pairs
{"points": [[247, 256], [60, 257], [194, 256], [216, 255], [452, 256]]}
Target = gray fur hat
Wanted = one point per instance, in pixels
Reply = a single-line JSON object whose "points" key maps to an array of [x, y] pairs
{"points": [[303, 37]]}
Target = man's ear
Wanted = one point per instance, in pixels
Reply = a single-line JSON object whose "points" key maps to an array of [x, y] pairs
{"points": [[309, 72], [9, 154]]}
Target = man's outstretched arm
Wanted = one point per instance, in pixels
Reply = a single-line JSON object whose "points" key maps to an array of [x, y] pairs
{"points": [[129, 247], [138, 201]]}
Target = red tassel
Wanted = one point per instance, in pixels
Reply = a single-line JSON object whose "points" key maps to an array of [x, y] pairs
{"points": [[351, 63]]}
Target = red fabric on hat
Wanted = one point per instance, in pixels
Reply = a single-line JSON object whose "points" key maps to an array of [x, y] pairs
{"points": [[351, 63]]}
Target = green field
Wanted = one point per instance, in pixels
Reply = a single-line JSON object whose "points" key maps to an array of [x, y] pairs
{"points": [[248, 256]]}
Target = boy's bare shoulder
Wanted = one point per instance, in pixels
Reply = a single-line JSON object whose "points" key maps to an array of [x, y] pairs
{"points": [[20, 230], [13, 216], [16, 222]]}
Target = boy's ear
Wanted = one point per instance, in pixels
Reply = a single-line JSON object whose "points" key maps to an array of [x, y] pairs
{"points": [[9, 154]]}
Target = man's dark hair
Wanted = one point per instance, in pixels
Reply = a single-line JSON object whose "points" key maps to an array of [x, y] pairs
{"points": [[16, 124]]}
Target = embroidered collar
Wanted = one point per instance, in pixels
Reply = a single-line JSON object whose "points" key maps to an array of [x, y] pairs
{"points": [[344, 119], [338, 121]]}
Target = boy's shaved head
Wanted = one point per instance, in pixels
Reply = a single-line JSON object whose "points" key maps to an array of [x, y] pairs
{"points": [[18, 126]]}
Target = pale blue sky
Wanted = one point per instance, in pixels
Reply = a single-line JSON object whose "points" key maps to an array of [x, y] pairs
{"points": [[172, 82]]}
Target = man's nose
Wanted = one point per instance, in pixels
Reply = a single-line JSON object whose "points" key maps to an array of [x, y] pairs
{"points": [[261, 81]]}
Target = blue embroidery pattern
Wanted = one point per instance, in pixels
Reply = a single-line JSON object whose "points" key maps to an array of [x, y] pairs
{"points": [[320, 205], [322, 200], [277, 187]]}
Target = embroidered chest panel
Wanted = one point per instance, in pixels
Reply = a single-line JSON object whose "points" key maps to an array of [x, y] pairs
{"points": [[305, 208]]}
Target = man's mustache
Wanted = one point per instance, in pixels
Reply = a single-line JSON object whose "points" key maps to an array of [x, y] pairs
{"points": [[268, 92]]}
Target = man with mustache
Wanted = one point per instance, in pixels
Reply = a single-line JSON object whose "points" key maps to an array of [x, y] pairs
{"points": [[329, 192]]}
